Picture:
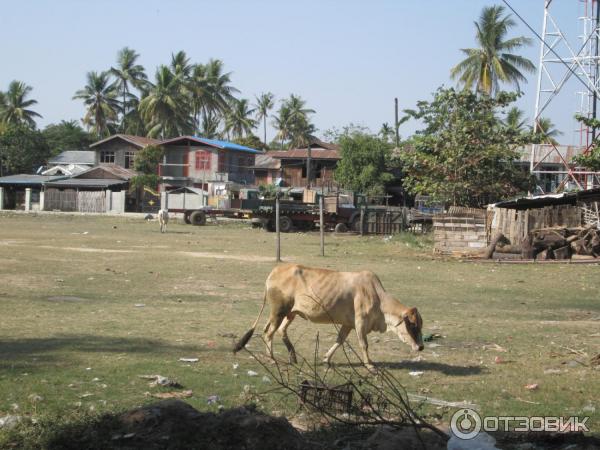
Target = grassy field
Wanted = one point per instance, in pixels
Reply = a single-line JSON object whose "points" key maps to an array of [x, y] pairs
{"points": [[87, 304]]}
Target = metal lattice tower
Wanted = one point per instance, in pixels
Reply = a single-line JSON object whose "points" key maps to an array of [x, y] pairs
{"points": [[559, 62]]}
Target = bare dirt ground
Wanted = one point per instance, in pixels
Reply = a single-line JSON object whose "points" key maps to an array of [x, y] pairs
{"points": [[89, 303]]}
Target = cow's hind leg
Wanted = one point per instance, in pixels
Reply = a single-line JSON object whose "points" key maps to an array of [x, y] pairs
{"points": [[342, 335], [272, 326], [286, 340]]}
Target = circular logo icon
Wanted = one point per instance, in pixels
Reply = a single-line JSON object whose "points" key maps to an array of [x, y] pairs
{"points": [[465, 424]]}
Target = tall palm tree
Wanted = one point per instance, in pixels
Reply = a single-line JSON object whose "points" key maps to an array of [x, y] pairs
{"points": [[386, 131], [180, 65], [128, 73], [264, 103], [515, 119], [165, 110], [239, 121], [100, 97], [299, 126], [493, 62], [547, 131], [282, 122], [14, 105]]}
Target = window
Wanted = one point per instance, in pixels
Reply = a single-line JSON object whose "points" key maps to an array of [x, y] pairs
{"points": [[107, 157], [203, 159], [129, 157]]}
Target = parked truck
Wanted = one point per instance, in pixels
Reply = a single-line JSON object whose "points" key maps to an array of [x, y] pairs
{"points": [[339, 213]]}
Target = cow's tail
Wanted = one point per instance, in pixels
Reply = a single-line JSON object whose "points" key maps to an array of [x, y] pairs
{"points": [[248, 334]]}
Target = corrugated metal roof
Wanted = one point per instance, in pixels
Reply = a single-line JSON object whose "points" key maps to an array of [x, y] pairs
{"points": [[212, 143], [29, 179], [539, 201], [84, 157], [266, 161], [302, 153], [139, 141], [85, 182], [111, 169]]}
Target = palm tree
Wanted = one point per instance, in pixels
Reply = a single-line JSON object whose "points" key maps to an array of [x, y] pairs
{"points": [[128, 73], [264, 103], [298, 125], [547, 131], [386, 131], [239, 121], [492, 63], [180, 65], [281, 122], [515, 120], [14, 104], [100, 97], [165, 110]]}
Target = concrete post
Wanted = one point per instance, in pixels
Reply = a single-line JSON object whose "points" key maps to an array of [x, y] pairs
{"points": [[1, 197], [27, 199], [42, 200], [122, 202], [108, 200]]}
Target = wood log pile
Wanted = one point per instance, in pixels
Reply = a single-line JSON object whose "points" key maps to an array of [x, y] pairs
{"points": [[579, 243]]}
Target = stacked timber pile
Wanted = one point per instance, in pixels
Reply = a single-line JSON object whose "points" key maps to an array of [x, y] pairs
{"points": [[549, 243]]}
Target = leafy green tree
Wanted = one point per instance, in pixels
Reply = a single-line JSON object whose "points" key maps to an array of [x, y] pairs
{"points": [[14, 105], [264, 103], [365, 162], [591, 158], [128, 73], [165, 109], [465, 155], [387, 132], [66, 135], [146, 163], [22, 149], [493, 61], [100, 98], [239, 121]]}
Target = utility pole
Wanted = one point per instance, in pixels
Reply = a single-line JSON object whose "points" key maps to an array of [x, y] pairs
{"points": [[308, 166], [396, 124]]}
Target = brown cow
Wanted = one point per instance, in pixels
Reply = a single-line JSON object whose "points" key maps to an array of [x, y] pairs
{"points": [[350, 300]]}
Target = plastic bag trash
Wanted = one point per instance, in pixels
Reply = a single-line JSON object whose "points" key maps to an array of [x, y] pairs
{"points": [[482, 441], [416, 373], [139, 305], [532, 386], [188, 360], [252, 373], [9, 422], [212, 399]]}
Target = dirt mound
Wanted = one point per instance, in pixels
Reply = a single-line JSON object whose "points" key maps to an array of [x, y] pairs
{"points": [[174, 424]]}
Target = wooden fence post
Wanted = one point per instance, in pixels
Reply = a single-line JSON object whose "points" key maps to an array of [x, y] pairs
{"points": [[277, 232], [362, 220], [321, 224]]}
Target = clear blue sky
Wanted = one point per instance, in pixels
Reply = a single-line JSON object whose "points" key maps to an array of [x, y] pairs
{"points": [[348, 59]]}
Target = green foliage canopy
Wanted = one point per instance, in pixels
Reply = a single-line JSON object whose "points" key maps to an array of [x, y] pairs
{"points": [[66, 135], [146, 163], [365, 162], [22, 149], [465, 155]]}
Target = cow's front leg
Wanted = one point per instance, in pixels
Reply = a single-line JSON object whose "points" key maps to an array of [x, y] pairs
{"points": [[361, 334], [342, 335]]}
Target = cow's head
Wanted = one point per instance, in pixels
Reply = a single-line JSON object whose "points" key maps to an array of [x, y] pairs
{"points": [[409, 329]]}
